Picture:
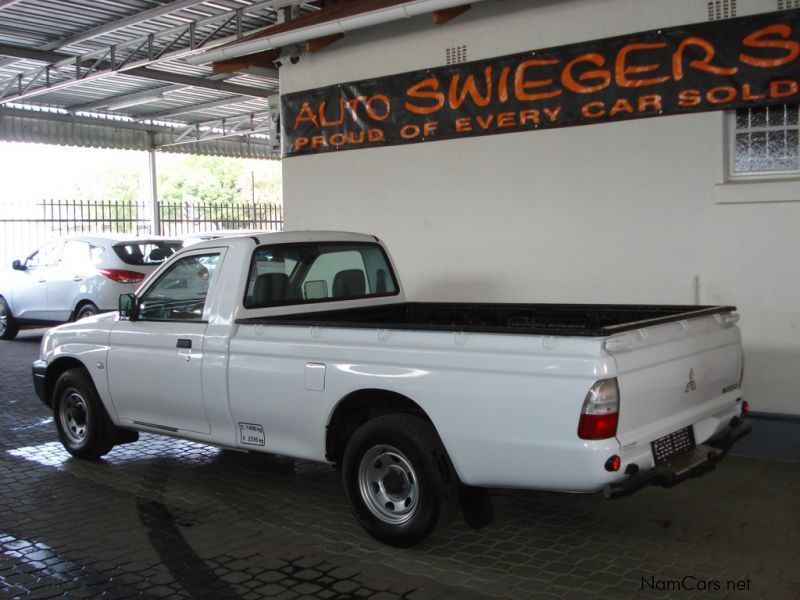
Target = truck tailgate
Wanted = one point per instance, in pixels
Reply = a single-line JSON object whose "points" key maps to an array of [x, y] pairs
{"points": [[673, 376]]}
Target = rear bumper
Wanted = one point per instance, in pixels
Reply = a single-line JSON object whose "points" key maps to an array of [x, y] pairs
{"points": [[39, 370], [701, 459]]}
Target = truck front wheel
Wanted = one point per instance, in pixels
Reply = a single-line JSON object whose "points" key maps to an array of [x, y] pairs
{"points": [[399, 480], [83, 425]]}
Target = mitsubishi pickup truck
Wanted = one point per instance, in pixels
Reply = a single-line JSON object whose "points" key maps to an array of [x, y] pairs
{"points": [[303, 344]]}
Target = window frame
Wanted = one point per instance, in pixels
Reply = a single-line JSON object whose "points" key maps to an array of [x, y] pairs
{"points": [[730, 155], [168, 267], [301, 301]]}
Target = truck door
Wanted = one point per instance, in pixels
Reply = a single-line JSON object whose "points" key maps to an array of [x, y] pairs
{"points": [[155, 362]]}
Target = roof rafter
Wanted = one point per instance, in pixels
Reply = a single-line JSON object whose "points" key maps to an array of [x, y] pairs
{"points": [[112, 26], [131, 57], [190, 108]]}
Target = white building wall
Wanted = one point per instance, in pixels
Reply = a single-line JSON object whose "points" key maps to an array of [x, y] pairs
{"points": [[627, 212]]}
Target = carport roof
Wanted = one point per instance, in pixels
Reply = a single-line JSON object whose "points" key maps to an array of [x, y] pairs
{"points": [[114, 74]]}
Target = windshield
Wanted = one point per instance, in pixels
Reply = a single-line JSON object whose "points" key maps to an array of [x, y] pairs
{"points": [[146, 252]]}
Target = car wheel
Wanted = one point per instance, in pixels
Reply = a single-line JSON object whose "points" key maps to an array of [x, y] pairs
{"points": [[86, 310], [8, 324], [83, 425], [399, 480]]}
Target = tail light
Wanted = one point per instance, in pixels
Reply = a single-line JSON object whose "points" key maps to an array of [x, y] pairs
{"points": [[122, 276], [600, 413]]}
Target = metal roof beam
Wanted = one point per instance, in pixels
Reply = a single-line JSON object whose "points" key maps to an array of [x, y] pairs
{"points": [[8, 3], [153, 13], [164, 89], [182, 110], [177, 42], [25, 89]]}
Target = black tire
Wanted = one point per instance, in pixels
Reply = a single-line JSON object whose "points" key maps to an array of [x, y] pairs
{"points": [[399, 480], [85, 310], [83, 424], [9, 328]]}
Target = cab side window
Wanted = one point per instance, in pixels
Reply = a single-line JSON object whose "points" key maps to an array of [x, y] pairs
{"points": [[306, 272], [180, 293]]}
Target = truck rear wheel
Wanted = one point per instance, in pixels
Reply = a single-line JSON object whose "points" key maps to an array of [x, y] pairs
{"points": [[399, 480], [83, 425]]}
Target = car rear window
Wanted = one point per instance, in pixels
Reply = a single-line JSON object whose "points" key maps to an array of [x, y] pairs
{"points": [[146, 252]]}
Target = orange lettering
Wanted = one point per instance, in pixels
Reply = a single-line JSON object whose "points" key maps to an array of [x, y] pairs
{"points": [[621, 70], [338, 139], [456, 99], [603, 75], [409, 131], [592, 110], [650, 102], [463, 124], [552, 113], [323, 121], [782, 88], [747, 93], [529, 115], [485, 123], [305, 114], [318, 141], [703, 64], [502, 86], [521, 86], [375, 135], [687, 98], [621, 105], [300, 142], [371, 109], [721, 95], [418, 90], [506, 120], [755, 40]]}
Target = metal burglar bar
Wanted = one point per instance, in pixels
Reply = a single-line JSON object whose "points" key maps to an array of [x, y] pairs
{"points": [[23, 228]]}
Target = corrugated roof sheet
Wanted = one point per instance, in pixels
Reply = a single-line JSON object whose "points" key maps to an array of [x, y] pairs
{"points": [[60, 26]]}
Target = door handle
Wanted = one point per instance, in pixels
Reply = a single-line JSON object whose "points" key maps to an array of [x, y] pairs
{"points": [[43, 281], [77, 278], [183, 343]]}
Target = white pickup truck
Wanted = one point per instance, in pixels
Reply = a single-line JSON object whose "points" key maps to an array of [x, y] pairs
{"points": [[302, 344]]}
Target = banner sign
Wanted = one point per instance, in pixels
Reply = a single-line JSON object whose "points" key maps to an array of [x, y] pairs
{"points": [[718, 65]]}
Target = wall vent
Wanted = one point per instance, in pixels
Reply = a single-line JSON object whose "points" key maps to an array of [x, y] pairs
{"points": [[788, 4], [455, 55], [722, 9]]}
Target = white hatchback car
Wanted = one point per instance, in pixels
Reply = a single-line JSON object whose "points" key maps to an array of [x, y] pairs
{"points": [[77, 276]]}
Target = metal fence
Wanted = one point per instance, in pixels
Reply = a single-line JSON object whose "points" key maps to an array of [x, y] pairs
{"points": [[24, 227]]}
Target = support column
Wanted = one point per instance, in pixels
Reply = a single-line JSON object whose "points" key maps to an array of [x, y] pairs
{"points": [[155, 218]]}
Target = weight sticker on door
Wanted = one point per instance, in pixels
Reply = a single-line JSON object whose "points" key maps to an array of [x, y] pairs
{"points": [[251, 434]]}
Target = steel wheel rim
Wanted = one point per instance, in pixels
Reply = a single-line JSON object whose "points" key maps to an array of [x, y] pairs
{"points": [[388, 484], [3, 319], [74, 416], [86, 311]]}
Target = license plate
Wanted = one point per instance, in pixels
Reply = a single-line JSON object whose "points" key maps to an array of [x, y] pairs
{"points": [[673, 444]]}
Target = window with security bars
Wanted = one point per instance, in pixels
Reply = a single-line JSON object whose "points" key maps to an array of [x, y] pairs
{"points": [[765, 141]]}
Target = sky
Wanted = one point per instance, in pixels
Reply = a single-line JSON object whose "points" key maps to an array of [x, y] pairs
{"points": [[34, 172]]}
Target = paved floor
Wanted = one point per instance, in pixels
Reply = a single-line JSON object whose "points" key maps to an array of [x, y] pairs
{"points": [[170, 519]]}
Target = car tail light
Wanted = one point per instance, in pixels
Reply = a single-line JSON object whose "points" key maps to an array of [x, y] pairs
{"points": [[122, 276], [600, 413]]}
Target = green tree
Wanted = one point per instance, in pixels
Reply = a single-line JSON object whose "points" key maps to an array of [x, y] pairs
{"points": [[205, 179]]}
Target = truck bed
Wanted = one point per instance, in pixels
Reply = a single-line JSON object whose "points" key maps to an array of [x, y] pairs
{"points": [[587, 320]]}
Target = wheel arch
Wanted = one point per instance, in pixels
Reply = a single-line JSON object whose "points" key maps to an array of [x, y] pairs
{"points": [[79, 305], [356, 408], [55, 369]]}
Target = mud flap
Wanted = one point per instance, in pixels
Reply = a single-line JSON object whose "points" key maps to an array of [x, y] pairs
{"points": [[476, 506]]}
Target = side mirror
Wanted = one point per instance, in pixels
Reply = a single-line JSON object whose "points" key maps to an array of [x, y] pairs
{"points": [[128, 307], [18, 266]]}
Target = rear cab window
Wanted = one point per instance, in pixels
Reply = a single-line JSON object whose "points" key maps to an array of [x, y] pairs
{"points": [[146, 252], [315, 272]]}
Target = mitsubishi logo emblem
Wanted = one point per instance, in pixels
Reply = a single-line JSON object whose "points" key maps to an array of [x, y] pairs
{"points": [[692, 384]]}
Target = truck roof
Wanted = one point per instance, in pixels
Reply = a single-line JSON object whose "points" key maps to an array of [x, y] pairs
{"points": [[289, 237]]}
